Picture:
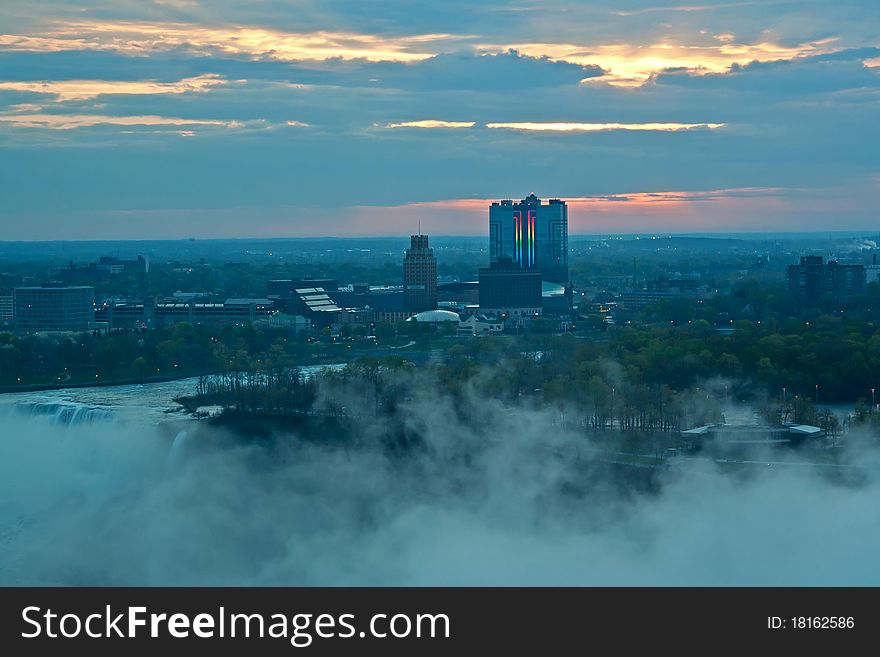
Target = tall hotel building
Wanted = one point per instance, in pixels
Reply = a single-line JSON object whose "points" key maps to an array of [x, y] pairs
{"points": [[419, 276], [533, 234]]}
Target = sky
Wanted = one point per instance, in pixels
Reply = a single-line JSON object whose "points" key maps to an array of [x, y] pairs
{"points": [[151, 119]]}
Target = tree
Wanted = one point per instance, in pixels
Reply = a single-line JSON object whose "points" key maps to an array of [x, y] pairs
{"points": [[140, 367]]}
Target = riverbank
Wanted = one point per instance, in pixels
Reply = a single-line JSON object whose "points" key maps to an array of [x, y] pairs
{"points": [[128, 381], [97, 383]]}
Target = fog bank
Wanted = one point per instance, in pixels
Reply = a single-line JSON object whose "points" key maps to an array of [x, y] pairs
{"points": [[501, 498]]}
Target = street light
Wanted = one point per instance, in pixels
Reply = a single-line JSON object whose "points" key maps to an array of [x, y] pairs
{"points": [[872, 399], [817, 394]]}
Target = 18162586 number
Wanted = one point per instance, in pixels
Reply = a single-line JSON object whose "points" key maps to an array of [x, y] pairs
{"points": [[822, 622]]}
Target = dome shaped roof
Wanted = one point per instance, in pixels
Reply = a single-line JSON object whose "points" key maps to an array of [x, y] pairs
{"points": [[434, 316]]}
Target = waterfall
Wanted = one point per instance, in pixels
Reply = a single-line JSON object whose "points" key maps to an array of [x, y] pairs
{"points": [[61, 413], [175, 456]]}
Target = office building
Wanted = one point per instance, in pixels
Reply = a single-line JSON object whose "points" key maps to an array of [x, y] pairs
{"points": [[419, 276], [814, 280], [508, 289], [872, 271], [642, 298], [125, 314], [231, 311], [377, 297], [284, 288], [459, 292], [53, 307], [314, 304], [93, 272], [117, 266], [533, 234], [6, 311]]}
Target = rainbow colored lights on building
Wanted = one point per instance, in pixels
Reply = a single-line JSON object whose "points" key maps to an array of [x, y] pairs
{"points": [[524, 244]]}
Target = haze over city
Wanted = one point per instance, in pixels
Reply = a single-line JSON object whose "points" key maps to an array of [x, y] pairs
{"points": [[184, 118]]}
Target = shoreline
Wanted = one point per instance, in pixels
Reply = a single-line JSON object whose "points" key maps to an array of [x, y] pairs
{"points": [[40, 387]]}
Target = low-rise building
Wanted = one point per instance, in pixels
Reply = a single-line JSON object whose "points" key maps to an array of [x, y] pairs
{"points": [[231, 311], [481, 325], [294, 323], [314, 304]]}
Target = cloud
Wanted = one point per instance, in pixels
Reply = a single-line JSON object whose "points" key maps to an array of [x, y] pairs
{"points": [[430, 123], [603, 127], [499, 72], [67, 90], [632, 64], [683, 8], [803, 77], [142, 38], [177, 4], [805, 118], [73, 121]]}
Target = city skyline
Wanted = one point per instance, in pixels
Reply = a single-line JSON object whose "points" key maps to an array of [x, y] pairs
{"points": [[182, 118]]}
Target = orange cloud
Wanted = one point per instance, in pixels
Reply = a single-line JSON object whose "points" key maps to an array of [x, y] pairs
{"points": [[72, 121], [631, 65], [139, 38], [65, 90], [669, 210]]}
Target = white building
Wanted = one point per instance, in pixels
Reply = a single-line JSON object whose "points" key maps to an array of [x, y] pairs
{"points": [[480, 325], [295, 323]]}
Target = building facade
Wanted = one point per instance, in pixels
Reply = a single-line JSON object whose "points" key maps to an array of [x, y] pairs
{"points": [[231, 311], [6, 307], [285, 288], [54, 308], [419, 276], [533, 234], [813, 279], [508, 289], [314, 304]]}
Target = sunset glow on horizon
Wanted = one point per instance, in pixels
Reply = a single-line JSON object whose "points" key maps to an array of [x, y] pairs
{"points": [[346, 118]]}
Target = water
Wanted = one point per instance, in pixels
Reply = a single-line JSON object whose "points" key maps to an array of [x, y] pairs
{"points": [[143, 403]]}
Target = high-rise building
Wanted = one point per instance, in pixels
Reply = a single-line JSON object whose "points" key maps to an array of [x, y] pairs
{"points": [[419, 276], [54, 308], [814, 279], [532, 234], [509, 289]]}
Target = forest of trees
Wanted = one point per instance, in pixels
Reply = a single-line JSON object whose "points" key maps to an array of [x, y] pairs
{"points": [[640, 380], [832, 358]]}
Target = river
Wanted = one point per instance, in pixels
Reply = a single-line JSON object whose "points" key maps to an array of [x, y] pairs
{"points": [[148, 403]]}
